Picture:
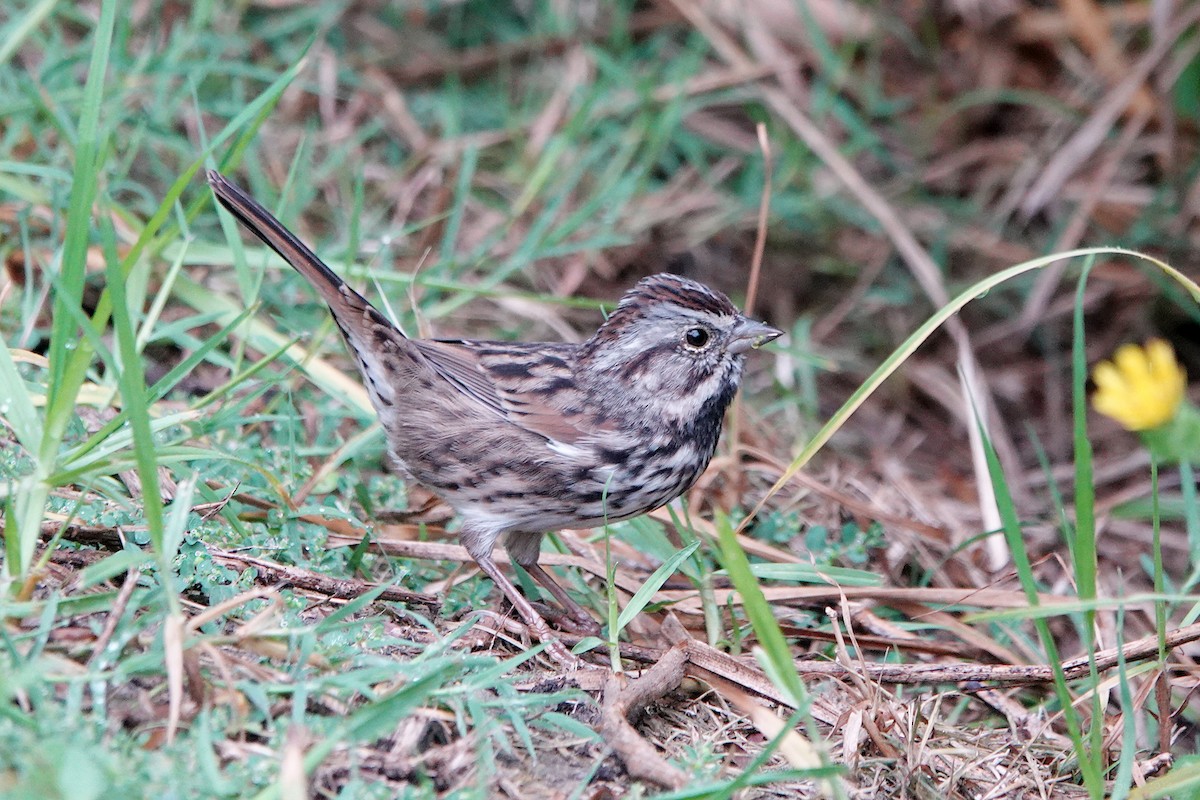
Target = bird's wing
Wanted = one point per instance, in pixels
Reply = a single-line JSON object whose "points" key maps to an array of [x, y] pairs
{"points": [[528, 385], [460, 368]]}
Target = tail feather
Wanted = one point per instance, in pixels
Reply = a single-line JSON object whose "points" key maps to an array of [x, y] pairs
{"points": [[342, 299], [367, 331]]}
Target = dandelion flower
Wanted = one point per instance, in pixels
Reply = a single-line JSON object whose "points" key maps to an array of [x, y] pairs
{"points": [[1142, 387]]}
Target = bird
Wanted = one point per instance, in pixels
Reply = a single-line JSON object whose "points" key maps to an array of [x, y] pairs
{"points": [[525, 438]]}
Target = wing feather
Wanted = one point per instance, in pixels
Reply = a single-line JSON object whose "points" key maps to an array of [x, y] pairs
{"points": [[515, 381], [460, 367]]}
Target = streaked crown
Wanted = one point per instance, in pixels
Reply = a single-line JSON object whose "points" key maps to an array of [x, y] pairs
{"points": [[660, 294], [677, 290]]}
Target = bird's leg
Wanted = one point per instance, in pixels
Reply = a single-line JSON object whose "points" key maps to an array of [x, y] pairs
{"points": [[535, 622], [524, 549], [577, 614]]}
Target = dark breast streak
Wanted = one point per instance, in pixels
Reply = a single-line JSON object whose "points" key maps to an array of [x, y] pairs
{"points": [[657, 467]]}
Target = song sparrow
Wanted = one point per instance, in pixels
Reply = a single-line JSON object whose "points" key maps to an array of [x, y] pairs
{"points": [[521, 438]]}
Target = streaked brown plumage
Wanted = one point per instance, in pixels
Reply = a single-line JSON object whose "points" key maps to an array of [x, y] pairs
{"points": [[528, 437]]}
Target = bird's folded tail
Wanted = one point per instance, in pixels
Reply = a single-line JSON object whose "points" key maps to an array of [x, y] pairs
{"points": [[345, 303], [366, 330]]}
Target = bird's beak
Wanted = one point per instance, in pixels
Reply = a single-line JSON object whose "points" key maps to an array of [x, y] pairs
{"points": [[748, 334]]}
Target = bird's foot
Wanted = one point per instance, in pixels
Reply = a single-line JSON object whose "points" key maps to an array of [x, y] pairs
{"points": [[572, 620]]}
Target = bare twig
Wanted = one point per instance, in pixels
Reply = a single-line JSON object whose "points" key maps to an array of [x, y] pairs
{"points": [[1006, 674], [270, 572], [624, 698], [702, 658]]}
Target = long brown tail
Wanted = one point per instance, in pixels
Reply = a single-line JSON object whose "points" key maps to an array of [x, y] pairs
{"points": [[377, 344], [342, 300]]}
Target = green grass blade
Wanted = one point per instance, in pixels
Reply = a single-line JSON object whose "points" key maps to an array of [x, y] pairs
{"points": [[652, 585], [1085, 497], [65, 376], [14, 34], [1084, 549], [774, 646], [1089, 768], [758, 610], [132, 382], [69, 353], [16, 404]]}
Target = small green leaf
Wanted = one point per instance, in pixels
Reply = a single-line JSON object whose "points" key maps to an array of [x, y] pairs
{"points": [[652, 585]]}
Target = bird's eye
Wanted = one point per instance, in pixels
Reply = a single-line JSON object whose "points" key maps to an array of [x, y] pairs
{"points": [[695, 338]]}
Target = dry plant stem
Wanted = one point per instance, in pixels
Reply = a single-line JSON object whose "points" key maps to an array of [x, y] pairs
{"points": [[752, 546], [798, 750], [881, 741], [623, 699], [394, 110], [843, 653], [1093, 31], [749, 677], [1007, 674], [1162, 700], [764, 209], [706, 660], [881, 643], [481, 59], [831, 319], [269, 572], [850, 502], [968, 634], [114, 616], [795, 748], [1025, 726], [886, 595], [1047, 25], [326, 468], [760, 247], [207, 614]]}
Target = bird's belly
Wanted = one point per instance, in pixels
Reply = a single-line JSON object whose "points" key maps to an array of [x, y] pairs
{"points": [[546, 497], [510, 480]]}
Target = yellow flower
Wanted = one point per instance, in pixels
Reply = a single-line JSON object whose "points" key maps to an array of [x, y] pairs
{"points": [[1142, 387]]}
